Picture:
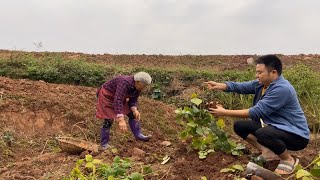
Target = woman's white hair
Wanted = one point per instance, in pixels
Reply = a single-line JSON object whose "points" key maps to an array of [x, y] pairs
{"points": [[143, 77]]}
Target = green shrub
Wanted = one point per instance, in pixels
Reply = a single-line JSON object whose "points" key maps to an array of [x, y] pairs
{"points": [[53, 69], [206, 133]]}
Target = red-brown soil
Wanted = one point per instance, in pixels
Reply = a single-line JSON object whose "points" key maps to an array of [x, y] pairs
{"points": [[36, 113]]}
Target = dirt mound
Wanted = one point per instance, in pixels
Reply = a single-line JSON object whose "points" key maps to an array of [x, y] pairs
{"points": [[39, 108], [199, 62], [34, 113]]}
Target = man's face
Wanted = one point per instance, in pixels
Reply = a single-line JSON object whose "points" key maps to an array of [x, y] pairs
{"points": [[263, 75]]}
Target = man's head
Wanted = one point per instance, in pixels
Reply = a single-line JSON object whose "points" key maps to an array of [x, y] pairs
{"points": [[142, 79], [268, 69]]}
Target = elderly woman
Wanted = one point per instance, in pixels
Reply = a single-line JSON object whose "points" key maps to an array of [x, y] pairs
{"points": [[117, 98]]}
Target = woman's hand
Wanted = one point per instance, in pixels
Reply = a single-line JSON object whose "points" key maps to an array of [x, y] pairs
{"points": [[122, 124], [136, 114]]}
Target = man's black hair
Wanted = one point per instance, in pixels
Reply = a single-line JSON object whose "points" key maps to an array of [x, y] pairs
{"points": [[272, 62]]}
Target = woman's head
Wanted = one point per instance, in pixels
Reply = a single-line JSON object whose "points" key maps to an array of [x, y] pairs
{"points": [[142, 79]]}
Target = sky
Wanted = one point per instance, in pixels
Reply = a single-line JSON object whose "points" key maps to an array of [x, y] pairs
{"points": [[172, 27]]}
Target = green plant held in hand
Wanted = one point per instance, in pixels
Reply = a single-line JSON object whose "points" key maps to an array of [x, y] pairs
{"points": [[206, 133]]}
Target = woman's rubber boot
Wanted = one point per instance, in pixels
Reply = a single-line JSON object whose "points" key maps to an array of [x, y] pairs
{"points": [[136, 129], [105, 133]]}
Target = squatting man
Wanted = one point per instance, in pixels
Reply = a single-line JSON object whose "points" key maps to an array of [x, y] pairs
{"points": [[277, 123]]}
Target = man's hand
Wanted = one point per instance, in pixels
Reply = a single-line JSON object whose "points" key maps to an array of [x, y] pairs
{"points": [[136, 114], [219, 111], [215, 86], [122, 124]]}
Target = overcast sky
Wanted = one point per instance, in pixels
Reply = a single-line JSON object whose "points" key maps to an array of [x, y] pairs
{"points": [[161, 26]]}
